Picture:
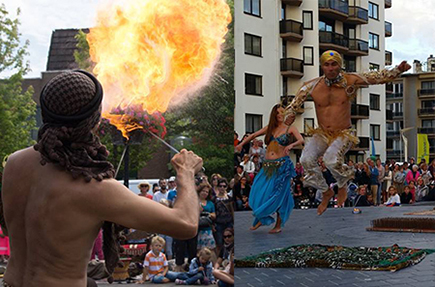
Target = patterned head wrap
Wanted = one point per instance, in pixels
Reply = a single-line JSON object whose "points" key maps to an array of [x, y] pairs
{"points": [[331, 55]]}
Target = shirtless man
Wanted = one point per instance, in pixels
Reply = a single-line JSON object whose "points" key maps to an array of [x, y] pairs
{"points": [[54, 211], [334, 137]]}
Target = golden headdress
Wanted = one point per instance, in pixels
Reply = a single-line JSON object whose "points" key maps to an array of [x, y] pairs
{"points": [[331, 55]]}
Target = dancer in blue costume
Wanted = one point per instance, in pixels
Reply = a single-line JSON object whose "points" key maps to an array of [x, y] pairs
{"points": [[271, 191]]}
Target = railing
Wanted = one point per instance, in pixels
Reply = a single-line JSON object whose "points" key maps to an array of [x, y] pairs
{"points": [[427, 111], [397, 114], [393, 133], [389, 115], [358, 12], [430, 130], [392, 153], [359, 45], [388, 29], [426, 92], [337, 5], [292, 64], [388, 58], [360, 110], [333, 38], [395, 96], [290, 26]]}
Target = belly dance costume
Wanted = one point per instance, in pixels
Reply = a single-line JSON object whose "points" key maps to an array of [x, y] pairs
{"points": [[271, 190]]}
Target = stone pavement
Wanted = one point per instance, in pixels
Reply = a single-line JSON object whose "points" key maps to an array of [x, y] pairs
{"points": [[334, 227]]}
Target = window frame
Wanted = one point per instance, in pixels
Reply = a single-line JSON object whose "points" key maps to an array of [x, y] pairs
{"points": [[376, 137], [371, 12], [373, 41], [252, 46], [303, 20], [246, 122], [378, 100], [374, 67], [250, 12], [312, 55], [305, 124], [246, 84]]}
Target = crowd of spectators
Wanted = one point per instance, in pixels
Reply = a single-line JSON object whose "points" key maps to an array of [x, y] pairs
{"points": [[412, 182]]}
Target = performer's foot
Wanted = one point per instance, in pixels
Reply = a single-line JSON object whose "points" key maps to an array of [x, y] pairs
{"points": [[277, 228], [327, 195], [341, 196], [256, 226]]}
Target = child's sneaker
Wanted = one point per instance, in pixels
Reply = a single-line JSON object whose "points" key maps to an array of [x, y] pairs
{"points": [[179, 282]]}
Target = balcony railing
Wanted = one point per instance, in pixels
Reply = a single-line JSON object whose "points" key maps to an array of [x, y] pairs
{"points": [[395, 96], [292, 67], [397, 114], [388, 29], [291, 30], [358, 15], [358, 47], [387, 3], [360, 111], [426, 112], [331, 40], [393, 153], [430, 130], [388, 58], [335, 9], [425, 93], [292, 2], [393, 133], [389, 115]]}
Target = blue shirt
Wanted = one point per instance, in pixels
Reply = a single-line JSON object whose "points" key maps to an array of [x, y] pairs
{"points": [[172, 195]]}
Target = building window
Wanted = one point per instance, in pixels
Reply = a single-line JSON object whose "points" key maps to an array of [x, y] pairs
{"points": [[253, 123], [307, 18], [428, 123], [252, 7], [253, 85], [375, 132], [284, 86], [428, 85], [252, 45], [373, 41], [427, 104], [373, 67], [350, 64], [308, 124], [326, 25], [373, 11], [375, 102], [308, 56]]}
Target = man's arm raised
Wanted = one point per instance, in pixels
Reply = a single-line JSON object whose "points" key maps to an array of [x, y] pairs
{"points": [[111, 201], [382, 76]]}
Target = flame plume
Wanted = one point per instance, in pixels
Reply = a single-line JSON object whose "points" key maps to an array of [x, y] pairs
{"points": [[150, 52]]}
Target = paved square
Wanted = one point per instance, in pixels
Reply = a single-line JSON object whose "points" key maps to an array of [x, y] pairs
{"points": [[334, 227]]}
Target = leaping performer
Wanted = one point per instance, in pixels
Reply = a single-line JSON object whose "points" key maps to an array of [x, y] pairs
{"points": [[271, 191], [332, 94]]}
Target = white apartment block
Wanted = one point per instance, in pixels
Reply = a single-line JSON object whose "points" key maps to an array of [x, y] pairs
{"points": [[278, 44]]}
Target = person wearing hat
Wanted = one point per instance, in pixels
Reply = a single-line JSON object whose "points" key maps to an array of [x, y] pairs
{"points": [[53, 216], [332, 94], [144, 187]]}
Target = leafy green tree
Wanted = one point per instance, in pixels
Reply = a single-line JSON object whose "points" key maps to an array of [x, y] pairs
{"points": [[17, 108]]}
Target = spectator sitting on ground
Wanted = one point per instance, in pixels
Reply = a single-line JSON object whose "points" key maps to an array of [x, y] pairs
{"points": [[394, 199], [200, 269], [144, 187], [431, 192], [412, 189], [421, 189], [224, 254], [361, 199], [406, 197], [155, 264], [226, 277]]}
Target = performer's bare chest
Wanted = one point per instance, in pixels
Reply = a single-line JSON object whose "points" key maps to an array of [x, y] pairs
{"points": [[325, 96]]}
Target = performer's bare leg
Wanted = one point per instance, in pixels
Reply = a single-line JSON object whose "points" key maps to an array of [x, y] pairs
{"points": [[277, 228], [327, 195], [256, 226], [341, 196]]}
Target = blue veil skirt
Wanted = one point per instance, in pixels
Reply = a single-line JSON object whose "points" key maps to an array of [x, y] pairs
{"points": [[271, 191]]}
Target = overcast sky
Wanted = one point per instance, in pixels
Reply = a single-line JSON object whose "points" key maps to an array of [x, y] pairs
{"points": [[413, 26]]}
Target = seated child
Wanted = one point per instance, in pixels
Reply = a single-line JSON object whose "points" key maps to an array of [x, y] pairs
{"points": [[201, 268], [394, 199], [406, 197]]}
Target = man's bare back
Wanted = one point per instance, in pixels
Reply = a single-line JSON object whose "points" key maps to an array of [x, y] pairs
{"points": [[52, 219]]}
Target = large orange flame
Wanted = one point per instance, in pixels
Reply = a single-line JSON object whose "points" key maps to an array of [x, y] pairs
{"points": [[149, 52]]}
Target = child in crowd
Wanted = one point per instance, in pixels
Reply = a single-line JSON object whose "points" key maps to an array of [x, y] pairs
{"points": [[412, 189], [406, 197], [394, 199], [201, 269], [155, 263]]}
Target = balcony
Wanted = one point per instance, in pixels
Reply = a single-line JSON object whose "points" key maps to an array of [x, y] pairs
{"points": [[292, 68], [292, 2], [388, 29], [389, 116], [389, 88], [388, 58], [358, 15], [395, 96], [360, 112], [426, 112], [333, 41], [429, 131], [426, 93], [387, 4], [393, 134], [291, 30], [397, 115], [364, 143], [358, 47], [334, 9]]}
